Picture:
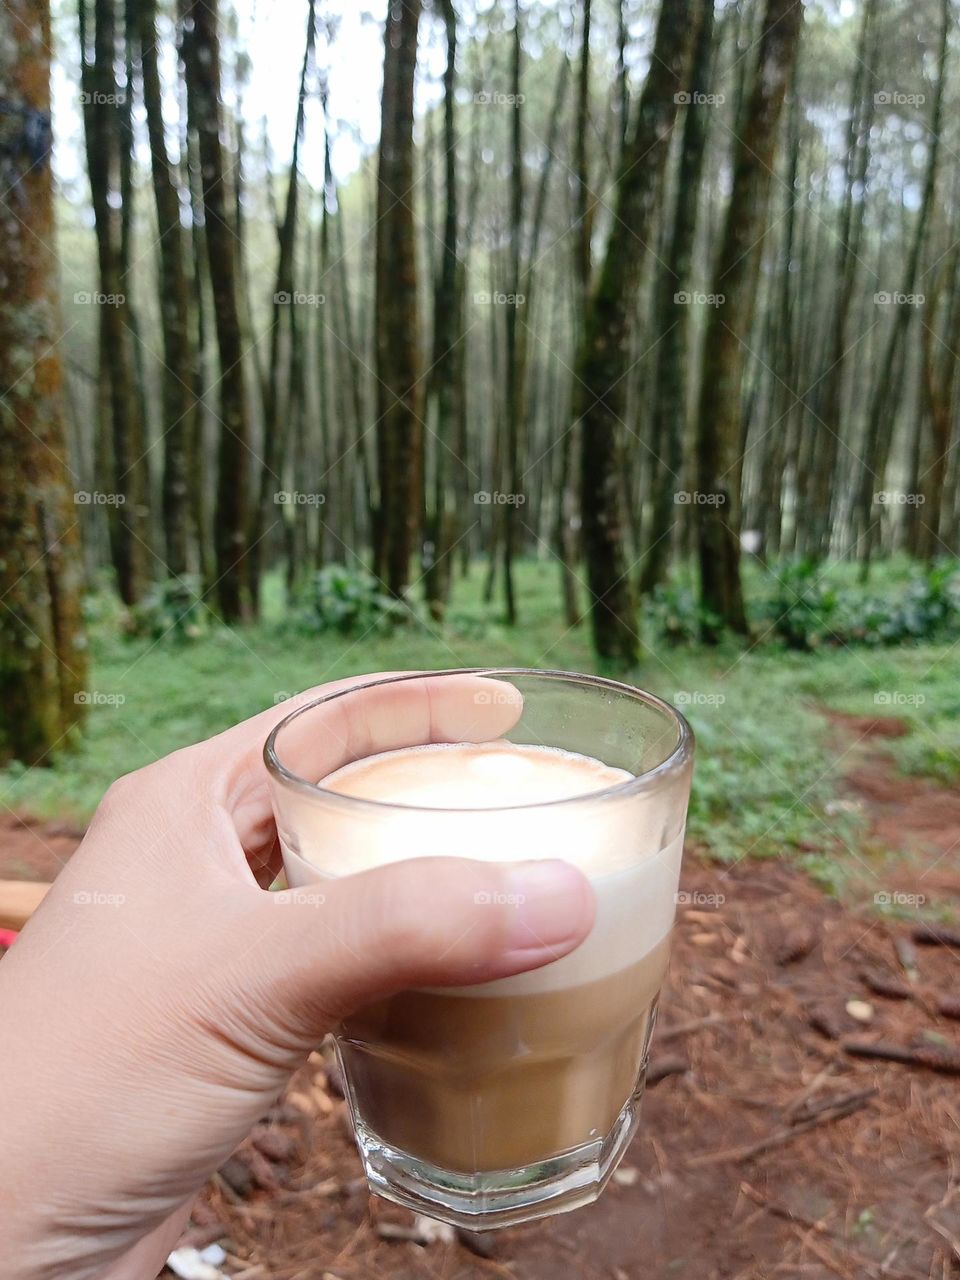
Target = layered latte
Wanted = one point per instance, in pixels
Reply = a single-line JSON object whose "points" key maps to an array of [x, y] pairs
{"points": [[513, 1072]]}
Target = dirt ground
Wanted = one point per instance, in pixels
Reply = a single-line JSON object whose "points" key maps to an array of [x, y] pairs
{"points": [[769, 1145]]}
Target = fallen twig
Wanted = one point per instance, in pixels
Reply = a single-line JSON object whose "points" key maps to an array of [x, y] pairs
{"points": [[843, 1108], [935, 1057]]}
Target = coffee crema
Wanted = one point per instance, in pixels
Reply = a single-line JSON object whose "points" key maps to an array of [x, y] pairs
{"points": [[512, 1072]]}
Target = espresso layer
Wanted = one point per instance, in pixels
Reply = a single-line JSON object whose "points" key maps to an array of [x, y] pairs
{"points": [[480, 1085]]}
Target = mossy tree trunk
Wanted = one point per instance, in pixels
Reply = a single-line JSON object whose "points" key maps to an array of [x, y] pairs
{"points": [[179, 402], [201, 48], [103, 104], [604, 356], [42, 653], [399, 397], [720, 419]]}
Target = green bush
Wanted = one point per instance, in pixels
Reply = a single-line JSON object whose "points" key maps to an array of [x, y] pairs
{"points": [[351, 602]]}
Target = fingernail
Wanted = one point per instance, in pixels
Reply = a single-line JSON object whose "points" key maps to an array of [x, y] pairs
{"points": [[554, 906]]}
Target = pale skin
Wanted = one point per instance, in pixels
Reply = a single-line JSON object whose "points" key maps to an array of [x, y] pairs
{"points": [[158, 1002]]}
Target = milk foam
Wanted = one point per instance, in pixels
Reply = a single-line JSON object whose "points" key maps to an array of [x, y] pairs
{"points": [[468, 775], [617, 838]]}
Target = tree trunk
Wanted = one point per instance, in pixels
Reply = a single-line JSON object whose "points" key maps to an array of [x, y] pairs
{"points": [[603, 359], [446, 379], [42, 655], [399, 414], [202, 61], [101, 99], [283, 343], [886, 396], [672, 321], [179, 405], [728, 325], [514, 356]]}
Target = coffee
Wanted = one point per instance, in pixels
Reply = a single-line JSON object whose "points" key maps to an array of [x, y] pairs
{"points": [[512, 1072]]}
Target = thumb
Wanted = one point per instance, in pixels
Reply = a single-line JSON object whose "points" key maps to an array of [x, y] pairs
{"points": [[339, 944]]}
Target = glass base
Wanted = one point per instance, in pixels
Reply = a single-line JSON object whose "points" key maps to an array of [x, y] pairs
{"points": [[504, 1197]]}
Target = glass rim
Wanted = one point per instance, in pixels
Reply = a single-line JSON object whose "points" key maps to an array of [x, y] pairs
{"points": [[648, 780]]}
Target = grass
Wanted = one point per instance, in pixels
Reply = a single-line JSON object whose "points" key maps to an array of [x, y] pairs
{"points": [[768, 764]]}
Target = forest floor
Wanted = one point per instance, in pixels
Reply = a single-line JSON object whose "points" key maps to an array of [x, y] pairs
{"points": [[769, 1146]]}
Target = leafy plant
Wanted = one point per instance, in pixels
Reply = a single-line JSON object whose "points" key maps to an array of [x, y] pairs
{"points": [[350, 601], [174, 608]]}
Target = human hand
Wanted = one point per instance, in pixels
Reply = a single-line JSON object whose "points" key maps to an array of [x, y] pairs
{"points": [[158, 1001]]}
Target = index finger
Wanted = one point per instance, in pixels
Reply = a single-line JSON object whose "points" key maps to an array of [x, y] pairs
{"points": [[382, 713]]}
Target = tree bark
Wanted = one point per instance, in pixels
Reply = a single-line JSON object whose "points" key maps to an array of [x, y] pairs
{"points": [[728, 326], [603, 359], [672, 321], [399, 395], [179, 404], [202, 60], [102, 98], [43, 661], [446, 379]]}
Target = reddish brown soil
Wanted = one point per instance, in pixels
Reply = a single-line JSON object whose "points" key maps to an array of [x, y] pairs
{"points": [[742, 1170]]}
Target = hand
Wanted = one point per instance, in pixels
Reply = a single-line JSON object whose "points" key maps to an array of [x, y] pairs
{"points": [[157, 1003]]}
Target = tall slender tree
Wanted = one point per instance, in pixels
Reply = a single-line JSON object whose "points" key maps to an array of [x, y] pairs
{"points": [[179, 404], [201, 47], [671, 386], [720, 419], [604, 356], [398, 361], [102, 99]]}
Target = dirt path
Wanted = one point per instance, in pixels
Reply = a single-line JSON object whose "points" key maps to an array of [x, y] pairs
{"points": [[774, 1153]]}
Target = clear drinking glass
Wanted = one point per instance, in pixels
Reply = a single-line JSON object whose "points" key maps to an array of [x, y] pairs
{"points": [[490, 1105]]}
